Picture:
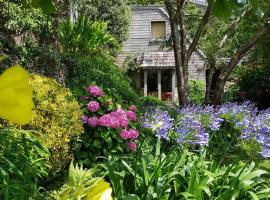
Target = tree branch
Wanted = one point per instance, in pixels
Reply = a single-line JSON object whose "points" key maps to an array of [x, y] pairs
{"points": [[198, 33], [232, 28]]}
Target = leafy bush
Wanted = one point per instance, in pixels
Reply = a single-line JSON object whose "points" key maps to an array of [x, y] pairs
{"points": [[196, 90], [23, 161], [57, 119], [110, 129], [103, 72]]}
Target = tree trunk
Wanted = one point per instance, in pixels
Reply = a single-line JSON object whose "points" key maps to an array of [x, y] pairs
{"points": [[181, 89], [219, 91], [209, 83]]}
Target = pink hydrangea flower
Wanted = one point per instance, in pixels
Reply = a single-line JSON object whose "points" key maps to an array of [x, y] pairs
{"points": [[133, 108], [119, 112], [131, 115], [105, 120], [123, 121], [95, 91], [114, 122], [133, 134], [93, 106], [132, 146], [84, 119], [92, 121], [124, 134]]}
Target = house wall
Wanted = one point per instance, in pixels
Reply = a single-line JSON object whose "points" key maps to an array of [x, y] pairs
{"points": [[139, 39]]}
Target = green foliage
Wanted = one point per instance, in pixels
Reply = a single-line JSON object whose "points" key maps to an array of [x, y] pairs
{"points": [[83, 37], [151, 101], [57, 119], [18, 19], [23, 162], [179, 174], [223, 8], [116, 13], [103, 72], [47, 6], [196, 90]]}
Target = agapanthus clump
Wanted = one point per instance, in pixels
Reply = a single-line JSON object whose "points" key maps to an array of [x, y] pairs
{"points": [[262, 123], [189, 128], [112, 120], [159, 121]]}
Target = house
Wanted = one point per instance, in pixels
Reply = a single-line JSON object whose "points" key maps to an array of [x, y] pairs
{"points": [[149, 29]]}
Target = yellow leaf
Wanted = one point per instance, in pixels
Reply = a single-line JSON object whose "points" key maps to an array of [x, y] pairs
{"points": [[100, 191], [16, 102]]}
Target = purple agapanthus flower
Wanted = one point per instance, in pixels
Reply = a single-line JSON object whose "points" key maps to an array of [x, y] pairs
{"points": [[159, 121]]}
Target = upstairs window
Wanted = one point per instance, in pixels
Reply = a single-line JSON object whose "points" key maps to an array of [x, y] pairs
{"points": [[158, 30]]}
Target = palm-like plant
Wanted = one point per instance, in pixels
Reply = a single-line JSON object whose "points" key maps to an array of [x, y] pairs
{"points": [[82, 37]]}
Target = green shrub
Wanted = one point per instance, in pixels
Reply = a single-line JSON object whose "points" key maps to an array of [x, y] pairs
{"points": [[151, 101], [104, 73], [56, 120], [23, 161], [196, 90]]}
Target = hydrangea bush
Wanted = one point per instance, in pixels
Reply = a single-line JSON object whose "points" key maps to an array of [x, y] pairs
{"points": [[229, 124], [110, 128]]}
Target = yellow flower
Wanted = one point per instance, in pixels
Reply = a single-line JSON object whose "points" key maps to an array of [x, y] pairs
{"points": [[16, 95], [100, 191]]}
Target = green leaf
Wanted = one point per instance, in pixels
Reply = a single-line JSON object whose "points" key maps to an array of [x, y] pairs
{"points": [[223, 8], [253, 195], [131, 197], [47, 6]]}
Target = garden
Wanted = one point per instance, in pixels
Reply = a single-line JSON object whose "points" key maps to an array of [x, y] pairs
{"points": [[74, 125]]}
